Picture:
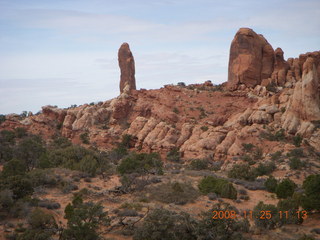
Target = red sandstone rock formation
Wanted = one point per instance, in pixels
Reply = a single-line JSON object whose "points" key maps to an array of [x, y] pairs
{"points": [[304, 105], [126, 64], [281, 68], [251, 59]]}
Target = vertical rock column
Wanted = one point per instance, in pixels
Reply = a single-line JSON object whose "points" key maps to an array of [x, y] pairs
{"points": [[127, 69]]}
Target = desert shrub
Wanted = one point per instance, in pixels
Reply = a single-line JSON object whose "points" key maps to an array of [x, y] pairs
{"points": [[247, 147], [297, 140], [247, 158], [84, 219], [311, 186], [164, 224], [67, 187], [181, 84], [227, 229], [289, 208], [174, 155], [20, 209], [6, 201], [48, 204], [175, 110], [199, 164], [141, 163], [243, 191], [175, 192], [277, 136], [20, 132], [127, 213], [29, 150], [89, 165], [276, 156], [42, 226], [295, 163], [306, 237], [264, 169], [134, 205], [14, 167], [285, 188], [2, 118], [297, 152], [271, 184], [60, 142], [20, 186], [85, 138], [257, 154], [266, 216], [241, 171], [7, 137], [204, 128], [42, 177], [219, 186]]}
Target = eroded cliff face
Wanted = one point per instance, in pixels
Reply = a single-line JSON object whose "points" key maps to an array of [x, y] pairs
{"points": [[265, 93]]}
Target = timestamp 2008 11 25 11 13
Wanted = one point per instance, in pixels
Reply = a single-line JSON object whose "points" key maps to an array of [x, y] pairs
{"points": [[264, 214]]}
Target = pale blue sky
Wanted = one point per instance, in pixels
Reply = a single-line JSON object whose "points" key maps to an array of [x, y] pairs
{"points": [[64, 52]]}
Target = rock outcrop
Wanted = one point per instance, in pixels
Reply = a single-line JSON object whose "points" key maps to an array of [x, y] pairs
{"points": [[304, 105], [251, 59], [127, 69], [281, 68], [201, 120]]}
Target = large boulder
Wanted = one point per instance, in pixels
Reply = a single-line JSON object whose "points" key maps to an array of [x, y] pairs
{"points": [[127, 69], [251, 59]]}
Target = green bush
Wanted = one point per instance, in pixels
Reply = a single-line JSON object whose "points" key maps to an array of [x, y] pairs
{"points": [[14, 167], [289, 208], [241, 171], [311, 199], [175, 192], [29, 150], [84, 219], [199, 164], [20, 186], [219, 186], [223, 228], [266, 216], [247, 158], [297, 140], [295, 163], [276, 156], [85, 138], [247, 147], [2, 118], [257, 154], [174, 155], [204, 128], [297, 152], [264, 169], [164, 224], [141, 163], [277, 136], [42, 226], [285, 188], [271, 184]]}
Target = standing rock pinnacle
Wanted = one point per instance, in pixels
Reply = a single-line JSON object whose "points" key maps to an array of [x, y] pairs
{"points": [[126, 64]]}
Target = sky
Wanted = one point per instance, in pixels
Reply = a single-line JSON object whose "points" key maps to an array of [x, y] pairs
{"points": [[64, 52]]}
